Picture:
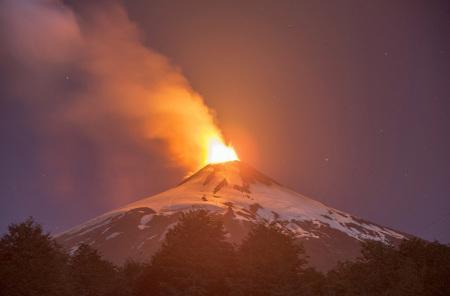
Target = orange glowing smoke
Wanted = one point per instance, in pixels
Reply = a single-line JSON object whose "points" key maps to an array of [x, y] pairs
{"points": [[127, 86]]}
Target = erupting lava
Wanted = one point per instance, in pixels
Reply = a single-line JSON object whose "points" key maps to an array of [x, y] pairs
{"points": [[218, 151]]}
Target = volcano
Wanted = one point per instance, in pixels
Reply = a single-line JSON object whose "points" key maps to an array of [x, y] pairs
{"points": [[241, 196]]}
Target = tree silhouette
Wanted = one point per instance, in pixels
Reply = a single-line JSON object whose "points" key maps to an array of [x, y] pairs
{"points": [[415, 267], [129, 274], [195, 259], [31, 263], [91, 275], [270, 262]]}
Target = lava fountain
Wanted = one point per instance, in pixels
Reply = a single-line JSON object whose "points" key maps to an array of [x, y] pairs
{"points": [[218, 151]]}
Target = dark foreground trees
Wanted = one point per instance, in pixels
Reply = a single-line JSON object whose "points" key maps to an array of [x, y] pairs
{"points": [[196, 259], [270, 262], [90, 275], [415, 267], [31, 263]]}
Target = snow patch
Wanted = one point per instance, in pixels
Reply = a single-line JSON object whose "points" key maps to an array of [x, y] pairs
{"points": [[144, 220], [92, 224], [141, 244], [113, 235], [169, 227], [74, 249]]}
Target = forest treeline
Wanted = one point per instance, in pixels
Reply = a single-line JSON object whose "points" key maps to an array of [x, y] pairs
{"points": [[196, 259]]}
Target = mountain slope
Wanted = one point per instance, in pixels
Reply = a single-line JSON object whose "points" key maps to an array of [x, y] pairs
{"points": [[242, 196]]}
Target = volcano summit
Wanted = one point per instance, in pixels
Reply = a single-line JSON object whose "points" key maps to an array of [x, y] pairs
{"points": [[241, 196]]}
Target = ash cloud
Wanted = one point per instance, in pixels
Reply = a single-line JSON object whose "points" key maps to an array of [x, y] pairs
{"points": [[111, 110], [90, 75]]}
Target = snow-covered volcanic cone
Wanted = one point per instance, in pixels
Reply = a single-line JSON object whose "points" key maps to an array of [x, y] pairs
{"points": [[242, 196]]}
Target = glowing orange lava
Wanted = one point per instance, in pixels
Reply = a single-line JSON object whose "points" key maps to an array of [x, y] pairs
{"points": [[218, 151]]}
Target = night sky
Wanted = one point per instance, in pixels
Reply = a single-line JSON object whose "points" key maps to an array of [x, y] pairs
{"points": [[347, 102]]}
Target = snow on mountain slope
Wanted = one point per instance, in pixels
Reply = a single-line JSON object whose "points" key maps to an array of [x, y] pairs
{"points": [[242, 196]]}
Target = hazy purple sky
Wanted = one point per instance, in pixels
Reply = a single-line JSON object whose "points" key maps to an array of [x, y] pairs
{"points": [[344, 101]]}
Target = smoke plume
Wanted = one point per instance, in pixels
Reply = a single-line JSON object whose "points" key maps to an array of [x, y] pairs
{"points": [[93, 71]]}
